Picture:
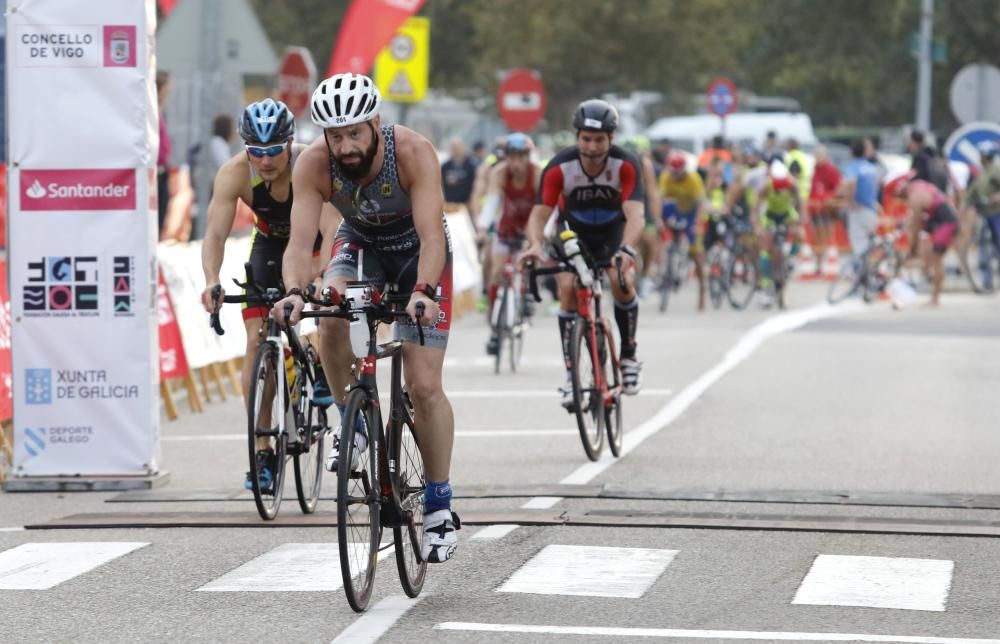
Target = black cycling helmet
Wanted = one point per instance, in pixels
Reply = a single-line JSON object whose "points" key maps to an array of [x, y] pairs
{"points": [[266, 121], [595, 114]]}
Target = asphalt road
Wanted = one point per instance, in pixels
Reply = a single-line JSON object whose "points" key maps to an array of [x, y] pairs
{"points": [[817, 475]]}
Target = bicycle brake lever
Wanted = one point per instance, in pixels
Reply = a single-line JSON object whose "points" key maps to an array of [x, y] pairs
{"points": [[214, 317]]}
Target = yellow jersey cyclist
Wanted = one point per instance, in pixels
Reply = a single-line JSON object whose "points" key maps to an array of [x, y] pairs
{"points": [[261, 176], [385, 181], [683, 194], [777, 204]]}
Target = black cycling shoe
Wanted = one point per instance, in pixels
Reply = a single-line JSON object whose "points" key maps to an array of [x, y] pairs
{"points": [[493, 346]]}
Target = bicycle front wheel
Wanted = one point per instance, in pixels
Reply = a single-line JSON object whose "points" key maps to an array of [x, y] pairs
{"points": [[846, 283], [716, 285], [588, 398], [741, 278], [500, 327], [612, 376], [409, 483], [266, 422], [309, 464], [358, 528], [516, 329]]}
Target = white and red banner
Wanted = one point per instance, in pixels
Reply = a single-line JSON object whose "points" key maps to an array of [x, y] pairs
{"points": [[5, 376], [81, 103], [173, 361]]}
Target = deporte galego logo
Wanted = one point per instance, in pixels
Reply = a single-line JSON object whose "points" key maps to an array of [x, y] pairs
{"points": [[106, 189]]}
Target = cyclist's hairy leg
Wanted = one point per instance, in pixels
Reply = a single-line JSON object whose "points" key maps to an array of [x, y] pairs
{"points": [[335, 352], [253, 326], [434, 421], [626, 309]]}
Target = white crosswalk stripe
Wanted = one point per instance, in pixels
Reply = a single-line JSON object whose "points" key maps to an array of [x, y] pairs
{"points": [[877, 582], [41, 566], [594, 571], [291, 567]]}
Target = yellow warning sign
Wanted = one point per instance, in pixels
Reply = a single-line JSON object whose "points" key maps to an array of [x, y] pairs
{"points": [[401, 68]]}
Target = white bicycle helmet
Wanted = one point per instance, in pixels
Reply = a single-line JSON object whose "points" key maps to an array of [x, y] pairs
{"points": [[345, 99]]}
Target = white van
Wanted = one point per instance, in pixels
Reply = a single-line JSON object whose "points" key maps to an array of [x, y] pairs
{"points": [[694, 133]]}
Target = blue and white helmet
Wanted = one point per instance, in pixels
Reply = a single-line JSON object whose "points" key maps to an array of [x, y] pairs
{"points": [[266, 121]]}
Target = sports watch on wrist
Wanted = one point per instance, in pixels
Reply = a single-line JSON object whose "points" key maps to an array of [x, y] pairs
{"points": [[426, 289]]}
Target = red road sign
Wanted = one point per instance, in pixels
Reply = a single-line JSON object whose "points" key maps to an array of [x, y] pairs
{"points": [[296, 79], [722, 97], [521, 99]]}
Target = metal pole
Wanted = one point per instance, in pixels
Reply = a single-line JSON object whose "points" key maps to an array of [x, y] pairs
{"points": [[206, 78], [924, 68]]}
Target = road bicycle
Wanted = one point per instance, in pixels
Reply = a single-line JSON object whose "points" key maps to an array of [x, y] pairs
{"points": [[280, 405], [594, 363], [510, 314], [869, 274], [380, 484], [677, 264]]}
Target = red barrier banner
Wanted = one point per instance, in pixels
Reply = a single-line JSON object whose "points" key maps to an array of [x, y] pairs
{"points": [[6, 407], [173, 360], [368, 26]]}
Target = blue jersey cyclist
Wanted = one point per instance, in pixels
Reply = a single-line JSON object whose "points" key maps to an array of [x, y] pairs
{"points": [[598, 189], [385, 181]]}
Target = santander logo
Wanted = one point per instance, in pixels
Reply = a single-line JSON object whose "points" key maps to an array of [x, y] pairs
{"points": [[105, 189]]}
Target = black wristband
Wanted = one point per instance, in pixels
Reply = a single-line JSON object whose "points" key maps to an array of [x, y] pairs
{"points": [[296, 291]]}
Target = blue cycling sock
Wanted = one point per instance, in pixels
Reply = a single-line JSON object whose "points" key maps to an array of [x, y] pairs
{"points": [[437, 496]]}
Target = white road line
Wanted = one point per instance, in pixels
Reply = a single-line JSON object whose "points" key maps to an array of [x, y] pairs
{"points": [[534, 393], [40, 566], [474, 433], [677, 405], [747, 344], [371, 626], [592, 571], [495, 531], [541, 502], [877, 582], [291, 567], [704, 635], [13, 529]]}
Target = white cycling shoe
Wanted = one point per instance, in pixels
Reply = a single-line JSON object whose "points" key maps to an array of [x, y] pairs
{"points": [[440, 536]]}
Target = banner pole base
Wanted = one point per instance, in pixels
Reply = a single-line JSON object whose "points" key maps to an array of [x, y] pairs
{"points": [[84, 483]]}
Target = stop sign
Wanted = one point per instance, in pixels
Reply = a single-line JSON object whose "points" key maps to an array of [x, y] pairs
{"points": [[521, 99], [296, 79]]}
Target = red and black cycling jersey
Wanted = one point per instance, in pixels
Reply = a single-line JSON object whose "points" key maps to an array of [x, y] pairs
{"points": [[592, 200], [517, 205]]}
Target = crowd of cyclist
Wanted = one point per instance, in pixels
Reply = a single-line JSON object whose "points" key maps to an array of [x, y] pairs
{"points": [[366, 202]]}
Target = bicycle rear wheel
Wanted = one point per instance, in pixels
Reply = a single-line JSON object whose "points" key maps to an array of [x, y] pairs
{"points": [[588, 400], [309, 464], [358, 528], [741, 278], [409, 483], [612, 404], [266, 420]]}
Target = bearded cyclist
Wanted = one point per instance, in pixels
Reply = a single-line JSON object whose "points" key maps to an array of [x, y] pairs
{"points": [[386, 182], [260, 176], [512, 192], [599, 191]]}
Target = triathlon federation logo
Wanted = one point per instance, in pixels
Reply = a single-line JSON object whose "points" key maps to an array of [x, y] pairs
{"points": [[63, 285], [119, 45], [123, 284]]}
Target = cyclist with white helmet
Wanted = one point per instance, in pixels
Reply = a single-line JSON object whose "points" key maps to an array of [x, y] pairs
{"points": [[260, 176], [511, 193], [598, 188], [386, 182]]}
